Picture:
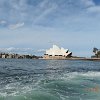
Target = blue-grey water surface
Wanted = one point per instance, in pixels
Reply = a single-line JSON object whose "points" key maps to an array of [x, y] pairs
{"points": [[25, 79]]}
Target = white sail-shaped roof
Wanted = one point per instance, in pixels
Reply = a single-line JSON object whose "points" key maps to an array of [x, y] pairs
{"points": [[57, 51]]}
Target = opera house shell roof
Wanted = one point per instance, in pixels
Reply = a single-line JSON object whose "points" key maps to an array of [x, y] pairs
{"points": [[55, 51]]}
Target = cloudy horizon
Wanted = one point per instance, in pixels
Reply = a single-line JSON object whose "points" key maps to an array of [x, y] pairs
{"points": [[37, 24]]}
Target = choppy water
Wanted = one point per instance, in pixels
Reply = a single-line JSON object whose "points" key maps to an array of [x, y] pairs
{"points": [[22, 79]]}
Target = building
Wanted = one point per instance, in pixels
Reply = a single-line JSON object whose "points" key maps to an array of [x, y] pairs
{"points": [[57, 53], [17, 56], [3, 56]]}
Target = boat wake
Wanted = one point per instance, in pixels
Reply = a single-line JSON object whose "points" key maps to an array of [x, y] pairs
{"points": [[69, 86]]}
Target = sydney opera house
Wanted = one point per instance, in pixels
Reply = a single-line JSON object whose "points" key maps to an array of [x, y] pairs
{"points": [[57, 53]]}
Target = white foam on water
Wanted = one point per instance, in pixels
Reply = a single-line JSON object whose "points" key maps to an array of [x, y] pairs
{"points": [[3, 94], [74, 75], [91, 74], [16, 88], [84, 74]]}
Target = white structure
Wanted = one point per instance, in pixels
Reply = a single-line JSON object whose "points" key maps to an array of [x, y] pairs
{"points": [[4, 56], [56, 51]]}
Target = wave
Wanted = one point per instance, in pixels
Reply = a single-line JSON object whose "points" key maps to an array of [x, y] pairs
{"points": [[90, 74], [60, 87], [85, 74]]}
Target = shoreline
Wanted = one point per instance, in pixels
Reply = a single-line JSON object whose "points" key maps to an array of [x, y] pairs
{"points": [[86, 59]]}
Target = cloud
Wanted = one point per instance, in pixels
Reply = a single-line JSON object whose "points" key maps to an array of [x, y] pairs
{"points": [[21, 50], [88, 3], [15, 26], [42, 4], [41, 50], [10, 49], [3, 22], [17, 50], [94, 9], [45, 13]]}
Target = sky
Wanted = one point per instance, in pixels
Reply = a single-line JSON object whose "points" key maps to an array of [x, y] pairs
{"points": [[35, 25]]}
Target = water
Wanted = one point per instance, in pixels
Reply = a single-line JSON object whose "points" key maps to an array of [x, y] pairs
{"points": [[24, 79]]}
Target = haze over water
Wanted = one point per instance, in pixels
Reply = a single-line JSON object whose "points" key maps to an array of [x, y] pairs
{"points": [[24, 79]]}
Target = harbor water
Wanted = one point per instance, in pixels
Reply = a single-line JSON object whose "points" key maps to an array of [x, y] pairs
{"points": [[25, 79]]}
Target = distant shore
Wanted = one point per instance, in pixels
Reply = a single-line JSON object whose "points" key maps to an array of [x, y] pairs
{"points": [[19, 56], [78, 58], [90, 59]]}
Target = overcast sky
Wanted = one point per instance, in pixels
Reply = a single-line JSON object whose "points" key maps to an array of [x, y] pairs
{"points": [[37, 24]]}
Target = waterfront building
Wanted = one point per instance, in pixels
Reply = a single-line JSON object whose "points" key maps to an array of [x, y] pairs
{"points": [[9, 56], [17, 56], [57, 53], [3, 56]]}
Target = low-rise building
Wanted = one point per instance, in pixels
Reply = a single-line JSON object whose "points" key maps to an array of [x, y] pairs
{"points": [[17, 56], [3, 56]]}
